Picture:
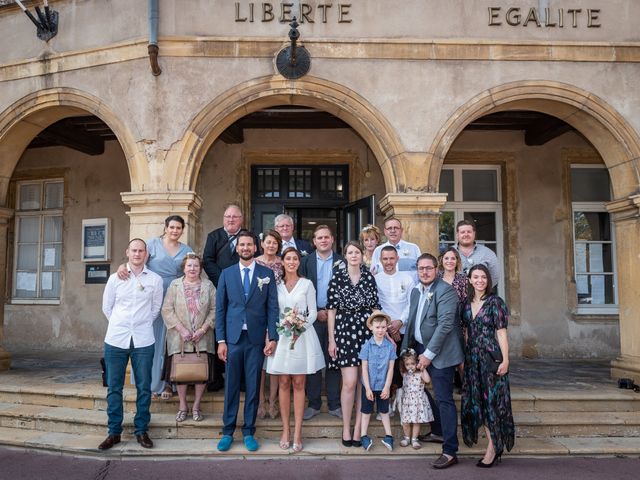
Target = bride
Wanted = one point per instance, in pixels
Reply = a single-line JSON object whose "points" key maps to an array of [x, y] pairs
{"points": [[306, 357]]}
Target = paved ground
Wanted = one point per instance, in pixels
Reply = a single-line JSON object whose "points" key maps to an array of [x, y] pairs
{"points": [[18, 465], [84, 368]]}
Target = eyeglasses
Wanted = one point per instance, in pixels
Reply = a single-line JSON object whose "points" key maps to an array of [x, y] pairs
{"points": [[284, 225], [426, 269], [232, 217], [393, 228]]}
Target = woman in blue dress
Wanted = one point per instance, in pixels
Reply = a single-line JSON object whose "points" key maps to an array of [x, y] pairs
{"points": [[164, 256]]}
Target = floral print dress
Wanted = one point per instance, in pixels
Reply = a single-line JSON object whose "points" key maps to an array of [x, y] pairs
{"points": [[415, 404], [354, 304], [486, 398]]}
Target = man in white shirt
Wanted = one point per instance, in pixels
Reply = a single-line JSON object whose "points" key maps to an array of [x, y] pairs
{"points": [[394, 294], [283, 224], [408, 252], [130, 306]]}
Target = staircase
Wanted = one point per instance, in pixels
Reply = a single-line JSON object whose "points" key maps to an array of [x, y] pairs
{"points": [[71, 417]]}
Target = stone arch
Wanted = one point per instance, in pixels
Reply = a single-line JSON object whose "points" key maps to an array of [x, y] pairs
{"points": [[269, 91], [612, 136], [27, 117]]}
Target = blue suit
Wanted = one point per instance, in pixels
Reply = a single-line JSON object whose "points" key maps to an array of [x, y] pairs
{"points": [[259, 312]]}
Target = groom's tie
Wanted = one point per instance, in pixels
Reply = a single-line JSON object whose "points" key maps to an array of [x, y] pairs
{"points": [[245, 283]]}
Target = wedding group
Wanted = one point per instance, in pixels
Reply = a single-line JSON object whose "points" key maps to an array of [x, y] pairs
{"points": [[384, 328]]}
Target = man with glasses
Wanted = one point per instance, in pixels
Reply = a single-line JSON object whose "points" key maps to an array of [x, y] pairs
{"points": [[220, 253], [408, 252], [283, 224], [433, 332]]}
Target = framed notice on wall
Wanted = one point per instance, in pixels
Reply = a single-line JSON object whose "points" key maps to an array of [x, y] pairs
{"points": [[95, 240]]}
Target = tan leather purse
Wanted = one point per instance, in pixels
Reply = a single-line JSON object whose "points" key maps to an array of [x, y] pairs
{"points": [[189, 367]]}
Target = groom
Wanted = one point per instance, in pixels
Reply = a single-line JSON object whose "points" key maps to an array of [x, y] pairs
{"points": [[433, 331], [246, 314]]}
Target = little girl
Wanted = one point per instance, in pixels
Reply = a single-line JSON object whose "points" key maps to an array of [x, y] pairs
{"points": [[415, 408]]}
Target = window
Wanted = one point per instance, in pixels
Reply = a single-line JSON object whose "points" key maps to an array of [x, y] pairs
{"points": [[38, 240], [593, 242], [473, 193]]}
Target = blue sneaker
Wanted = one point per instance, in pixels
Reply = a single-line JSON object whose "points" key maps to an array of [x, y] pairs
{"points": [[387, 441], [225, 443], [366, 443], [251, 443]]}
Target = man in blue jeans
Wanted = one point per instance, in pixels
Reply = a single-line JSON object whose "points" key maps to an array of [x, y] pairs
{"points": [[130, 306], [432, 330]]}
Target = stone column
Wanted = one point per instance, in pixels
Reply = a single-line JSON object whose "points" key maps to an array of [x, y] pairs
{"points": [[5, 216], [626, 216], [149, 210], [419, 213]]}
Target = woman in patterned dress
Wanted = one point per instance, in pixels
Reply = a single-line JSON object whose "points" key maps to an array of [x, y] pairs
{"points": [[352, 296], [486, 399], [271, 243]]}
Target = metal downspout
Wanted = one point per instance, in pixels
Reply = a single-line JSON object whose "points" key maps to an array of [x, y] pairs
{"points": [[154, 16]]}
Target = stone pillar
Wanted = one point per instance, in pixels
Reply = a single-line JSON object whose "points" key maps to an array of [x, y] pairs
{"points": [[419, 213], [5, 216], [626, 216], [149, 210]]}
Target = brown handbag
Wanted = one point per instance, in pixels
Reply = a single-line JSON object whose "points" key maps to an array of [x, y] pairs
{"points": [[189, 367]]}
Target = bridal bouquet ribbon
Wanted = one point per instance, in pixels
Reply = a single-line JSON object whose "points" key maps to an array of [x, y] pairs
{"points": [[291, 325]]}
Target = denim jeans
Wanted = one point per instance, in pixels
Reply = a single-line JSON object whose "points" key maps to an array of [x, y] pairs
{"points": [[116, 360]]}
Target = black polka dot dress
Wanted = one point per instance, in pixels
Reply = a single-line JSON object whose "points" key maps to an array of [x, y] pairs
{"points": [[353, 304]]}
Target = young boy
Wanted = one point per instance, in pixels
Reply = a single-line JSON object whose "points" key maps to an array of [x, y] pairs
{"points": [[378, 355]]}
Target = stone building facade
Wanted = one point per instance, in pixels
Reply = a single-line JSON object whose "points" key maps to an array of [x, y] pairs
{"points": [[419, 90]]}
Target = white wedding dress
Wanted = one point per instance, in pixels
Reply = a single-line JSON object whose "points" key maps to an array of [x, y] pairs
{"points": [[306, 357]]}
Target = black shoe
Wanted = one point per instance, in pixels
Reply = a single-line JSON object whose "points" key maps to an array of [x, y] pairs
{"points": [[356, 443], [444, 462], [109, 442], [430, 438], [481, 464], [347, 443], [144, 440]]}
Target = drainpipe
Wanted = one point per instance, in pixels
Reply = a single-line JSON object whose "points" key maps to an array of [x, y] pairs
{"points": [[153, 37]]}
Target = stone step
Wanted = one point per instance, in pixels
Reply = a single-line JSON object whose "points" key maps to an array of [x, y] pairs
{"points": [[85, 445], [92, 397], [163, 425]]}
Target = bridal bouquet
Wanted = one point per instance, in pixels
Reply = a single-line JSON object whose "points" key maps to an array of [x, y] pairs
{"points": [[291, 324]]}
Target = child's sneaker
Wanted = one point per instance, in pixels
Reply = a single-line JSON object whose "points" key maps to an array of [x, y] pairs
{"points": [[366, 442], [387, 441]]}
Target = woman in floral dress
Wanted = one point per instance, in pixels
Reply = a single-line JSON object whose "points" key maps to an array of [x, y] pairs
{"points": [[352, 296], [486, 399]]}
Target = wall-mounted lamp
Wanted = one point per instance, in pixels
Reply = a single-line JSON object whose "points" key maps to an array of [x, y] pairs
{"points": [[46, 23]]}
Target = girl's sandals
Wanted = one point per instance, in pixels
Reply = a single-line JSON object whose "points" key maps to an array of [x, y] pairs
{"points": [[297, 447], [197, 415], [405, 442], [415, 443], [181, 416], [262, 412]]}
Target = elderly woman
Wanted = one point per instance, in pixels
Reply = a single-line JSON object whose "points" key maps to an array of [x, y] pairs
{"points": [[486, 398], [369, 239], [351, 298], [188, 313]]}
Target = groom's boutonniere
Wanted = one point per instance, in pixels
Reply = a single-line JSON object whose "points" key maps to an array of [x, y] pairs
{"points": [[263, 281], [429, 296], [304, 253]]}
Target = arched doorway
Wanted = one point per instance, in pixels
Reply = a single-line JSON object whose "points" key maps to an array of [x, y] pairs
{"points": [[547, 262], [66, 158]]}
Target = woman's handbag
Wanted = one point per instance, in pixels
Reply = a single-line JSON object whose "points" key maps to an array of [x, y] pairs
{"points": [[189, 367], [493, 359]]}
